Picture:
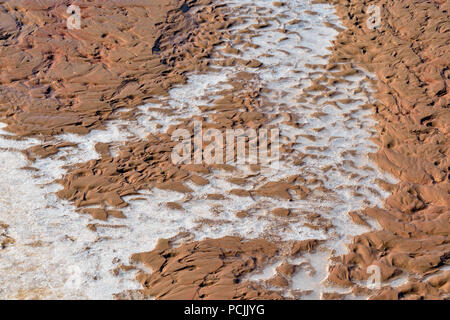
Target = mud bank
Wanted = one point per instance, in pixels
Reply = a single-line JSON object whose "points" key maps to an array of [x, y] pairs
{"points": [[51, 244], [56, 80], [140, 70], [410, 55]]}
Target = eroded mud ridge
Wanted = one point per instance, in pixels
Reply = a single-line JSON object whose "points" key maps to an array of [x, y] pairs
{"points": [[5, 239], [232, 231], [84, 75], [410, 55], [266, 73]]}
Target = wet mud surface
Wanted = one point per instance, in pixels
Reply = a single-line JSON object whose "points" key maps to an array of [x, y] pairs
{"points": [[409, 55]]}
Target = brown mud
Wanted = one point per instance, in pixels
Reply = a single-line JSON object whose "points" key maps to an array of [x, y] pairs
{"points": [[410, 55]]}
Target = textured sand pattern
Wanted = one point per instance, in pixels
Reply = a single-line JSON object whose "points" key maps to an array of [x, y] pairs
{"points": [[410, 57]]}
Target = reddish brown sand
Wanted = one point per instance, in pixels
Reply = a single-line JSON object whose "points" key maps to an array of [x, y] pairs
{"points": [[56, 80], [410, 55], [213, 268], [85, 75]]}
